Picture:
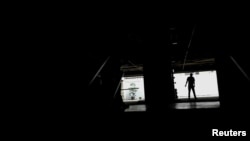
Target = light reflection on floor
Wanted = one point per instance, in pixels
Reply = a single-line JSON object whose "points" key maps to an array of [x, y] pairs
{"points": [[179, 106], [136, 108], [196, 105]]}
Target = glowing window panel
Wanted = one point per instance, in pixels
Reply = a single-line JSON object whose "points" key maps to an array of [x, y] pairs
{"points": [[132, 88], [205, 84]]}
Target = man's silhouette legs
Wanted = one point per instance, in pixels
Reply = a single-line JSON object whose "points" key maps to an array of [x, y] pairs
{"points": [[189, 89], [194, 93]]}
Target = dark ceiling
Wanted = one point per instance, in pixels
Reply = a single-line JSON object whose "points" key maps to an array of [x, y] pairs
{"points": [[192, 40], [139, 34]]}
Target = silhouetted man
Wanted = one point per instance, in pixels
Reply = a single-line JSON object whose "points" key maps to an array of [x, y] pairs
{"points": [[191, 85]]}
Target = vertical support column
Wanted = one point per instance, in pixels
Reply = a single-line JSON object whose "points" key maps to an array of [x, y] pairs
{"points": [[233, 86], [157, 75]]}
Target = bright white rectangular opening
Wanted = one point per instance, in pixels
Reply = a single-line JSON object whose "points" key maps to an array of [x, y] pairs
{"points": [[132, 89], [205, 84]]}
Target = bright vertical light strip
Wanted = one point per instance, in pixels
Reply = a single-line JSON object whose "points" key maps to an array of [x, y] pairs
{"points": [[205, 84]]}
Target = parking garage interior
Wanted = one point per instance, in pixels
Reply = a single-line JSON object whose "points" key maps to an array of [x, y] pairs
{"points": [[131, 73], [152, 64]]}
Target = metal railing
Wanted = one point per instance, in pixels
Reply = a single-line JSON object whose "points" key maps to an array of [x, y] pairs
{"points": [[99, 70], [240, 68], [118, 86]]}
